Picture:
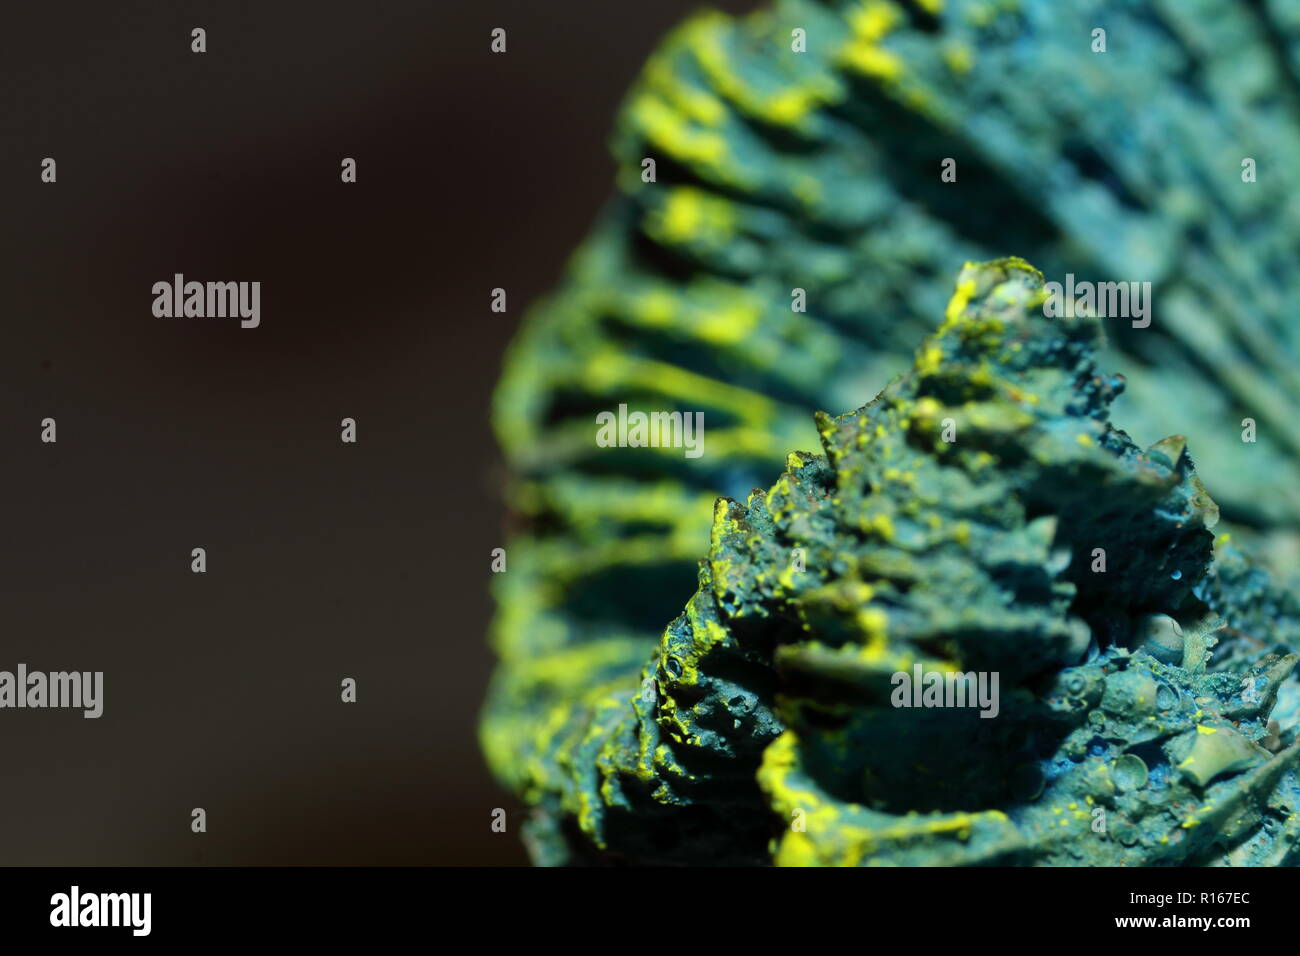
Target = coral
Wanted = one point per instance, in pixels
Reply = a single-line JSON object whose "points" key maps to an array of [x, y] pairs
{"points": [[980, 516], [818, 172]]}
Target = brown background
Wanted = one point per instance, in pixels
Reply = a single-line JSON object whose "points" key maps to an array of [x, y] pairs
{"points": [[324, 560]]}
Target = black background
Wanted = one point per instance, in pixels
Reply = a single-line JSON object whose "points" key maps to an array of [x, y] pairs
{"points": [[325, 560]]}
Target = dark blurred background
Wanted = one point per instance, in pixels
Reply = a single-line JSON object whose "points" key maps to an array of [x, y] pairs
{"points": [[325, 560]]}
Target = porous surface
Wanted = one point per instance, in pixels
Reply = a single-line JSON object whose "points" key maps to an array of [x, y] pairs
{"points": [[820, 172], [956, 523]]}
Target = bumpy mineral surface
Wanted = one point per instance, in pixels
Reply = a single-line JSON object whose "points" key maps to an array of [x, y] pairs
{"points": [[794, 243], [981, 516]]}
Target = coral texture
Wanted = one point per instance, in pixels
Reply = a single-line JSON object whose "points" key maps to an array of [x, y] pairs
{"points": [[817, 172], [980, 516]]}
